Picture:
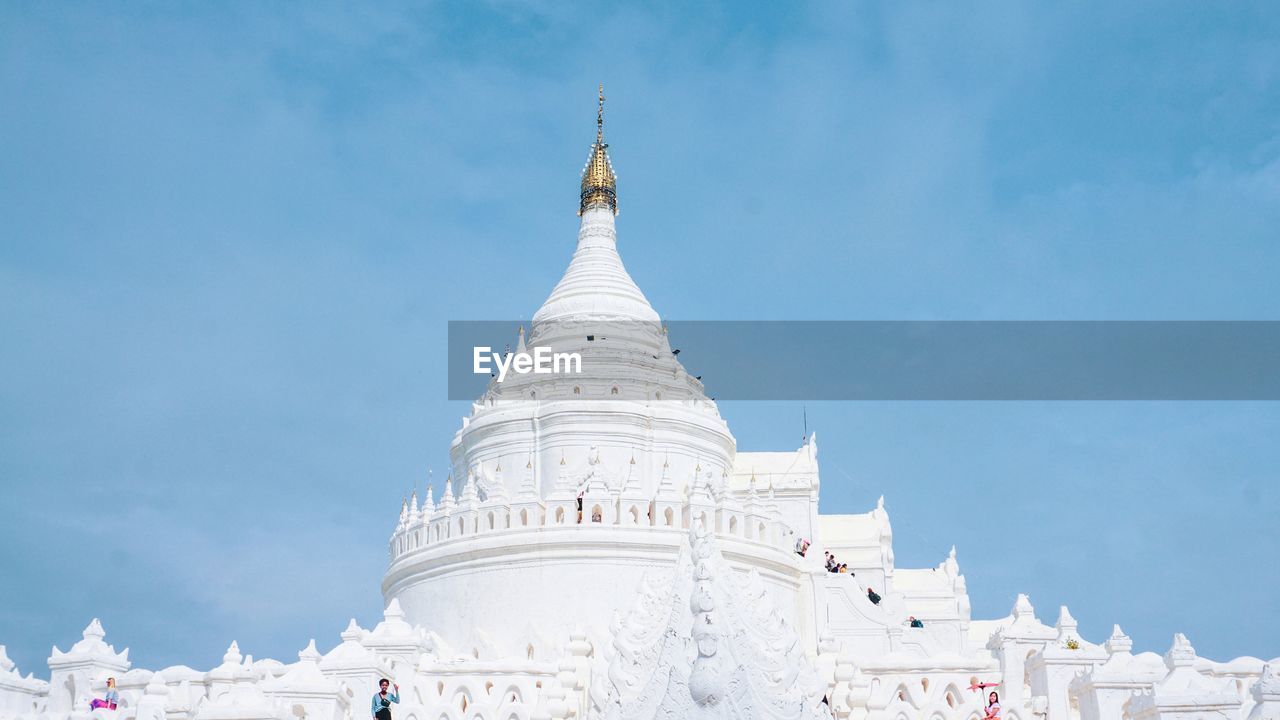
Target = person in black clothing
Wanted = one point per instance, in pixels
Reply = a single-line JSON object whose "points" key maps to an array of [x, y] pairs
{"points": [[916, 622], [873, 597]]}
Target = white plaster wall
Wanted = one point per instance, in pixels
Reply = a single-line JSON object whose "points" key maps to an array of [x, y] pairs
{"points": [[499, 592]]}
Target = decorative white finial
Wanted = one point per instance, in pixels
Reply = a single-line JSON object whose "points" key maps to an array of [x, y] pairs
{"points": [[309, 653], [1064, 618], [1118, 642], [393, 611], [94, 631], [470, 493], [446, 500], [156, 685], [1180, 654], [1023, 609]]}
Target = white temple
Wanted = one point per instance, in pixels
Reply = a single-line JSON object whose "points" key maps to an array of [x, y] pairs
{"points": [[676, 591]]}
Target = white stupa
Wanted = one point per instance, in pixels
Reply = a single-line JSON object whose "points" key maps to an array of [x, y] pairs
{"points": [[604, 551]]}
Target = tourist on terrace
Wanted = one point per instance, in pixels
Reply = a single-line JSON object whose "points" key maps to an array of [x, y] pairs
{"points": [[111, 700], [873, 597], [831, 561], [993, 707], [383, 699], [802, 546], [915, 622]]}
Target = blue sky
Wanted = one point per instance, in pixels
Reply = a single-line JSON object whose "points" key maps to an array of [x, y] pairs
{"points": [[231, 235]]}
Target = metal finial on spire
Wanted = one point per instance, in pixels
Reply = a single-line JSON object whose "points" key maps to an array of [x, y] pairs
{"points": [[599, 184], [600, 117]]}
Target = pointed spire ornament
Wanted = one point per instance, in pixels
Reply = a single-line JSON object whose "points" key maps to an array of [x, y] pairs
{"points": [[753, 506], [446, 500], [562, 475], [665, 483], [309, 654], [951, 566], [528, 488], [1180, 654], [1023, 609], [632, 482], [599, 183], [470, 494], [497, 487], [1118, 642], [1065, 620]]}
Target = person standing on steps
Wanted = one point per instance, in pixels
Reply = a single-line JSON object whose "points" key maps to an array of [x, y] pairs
{"points": [[382, 700]]}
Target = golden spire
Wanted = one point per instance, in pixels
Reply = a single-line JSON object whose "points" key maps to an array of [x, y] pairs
{"points": [[599, 184]]}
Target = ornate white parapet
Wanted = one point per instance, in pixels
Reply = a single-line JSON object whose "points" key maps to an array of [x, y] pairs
{"points": [[18, 694], [1102, 691], [1184, 693], [306, 692]]}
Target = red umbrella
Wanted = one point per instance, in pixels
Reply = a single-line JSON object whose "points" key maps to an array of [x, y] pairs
{"points": [[982, 686]]}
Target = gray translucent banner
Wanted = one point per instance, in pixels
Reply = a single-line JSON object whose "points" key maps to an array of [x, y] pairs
{"points": [[908, 360]]}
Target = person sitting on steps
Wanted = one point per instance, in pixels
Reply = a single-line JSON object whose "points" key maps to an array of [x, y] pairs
{"points": [[111, 700], [914, 622], [802, 546], [873, 597]]}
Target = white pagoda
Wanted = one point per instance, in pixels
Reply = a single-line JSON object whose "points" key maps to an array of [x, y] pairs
{"points": [[603, 550]]}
